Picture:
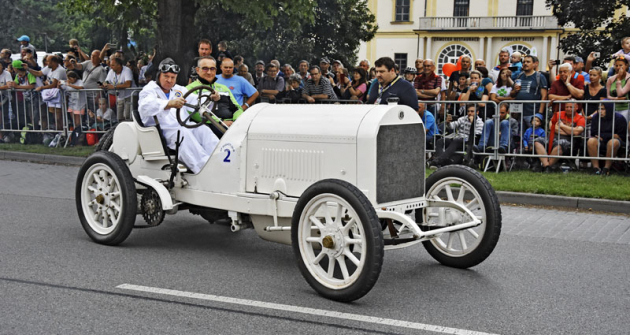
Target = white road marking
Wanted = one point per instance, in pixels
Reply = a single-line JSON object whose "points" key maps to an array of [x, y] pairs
{"points": [[302, 310]]}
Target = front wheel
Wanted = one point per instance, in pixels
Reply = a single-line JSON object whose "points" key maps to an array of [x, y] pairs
{"points": [[337, 240], [106, 198], [467, 187]]}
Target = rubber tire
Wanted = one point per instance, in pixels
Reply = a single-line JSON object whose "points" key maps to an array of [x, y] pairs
{"points": [[127, 190], [493, 216], [371, 226], [107, 140]]}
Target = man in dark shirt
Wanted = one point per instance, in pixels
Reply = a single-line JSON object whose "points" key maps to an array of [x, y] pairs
{"points": [[428, 86], [391, 85]]}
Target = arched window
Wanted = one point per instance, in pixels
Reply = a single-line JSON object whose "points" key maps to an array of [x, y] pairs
{"points": [[524, 50], [451, 54]]}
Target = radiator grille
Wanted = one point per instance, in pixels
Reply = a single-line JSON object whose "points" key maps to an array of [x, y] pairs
{"points": [[400, 162]]}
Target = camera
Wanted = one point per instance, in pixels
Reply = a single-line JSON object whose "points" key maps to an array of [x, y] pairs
{"points": [[557, 62], [596, 54], [613, 93]]}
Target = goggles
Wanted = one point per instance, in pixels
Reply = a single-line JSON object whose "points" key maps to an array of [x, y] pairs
{"points": [[169, 68]]}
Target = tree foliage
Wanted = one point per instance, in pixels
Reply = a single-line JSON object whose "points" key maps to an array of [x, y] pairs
{"points": [[599, 29]]}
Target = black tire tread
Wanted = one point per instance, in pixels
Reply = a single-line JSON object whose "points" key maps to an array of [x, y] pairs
{"points": [[106, 141], [362, 287], [493, 219]]}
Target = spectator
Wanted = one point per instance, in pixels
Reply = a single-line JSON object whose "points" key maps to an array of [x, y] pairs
{"points": [[238, 61], [567, 60], [5, 58], [142, 67], [259, 73], [103, 117], [567, 87], [119, 79], [529, 85], [537, 130], [419, 66], [303, 68], [5, 101], [517, 64], [579, 69], [480, 63], [131, 64], [618, 86], [293, 91], [365, 65], [238, 85], [508, 129], [428, 86], [390, 85], [430, 127], [70, 62], [357, 89], [228, 109], [410, 74], [504, 62], [74, 46], [25, 43], [93, 74], [27, 101], [501, 91], [594, 91], [343, 82], [476, 92], [277, 64], [568, 124], [623, 52], [446, 147], [337, 65], [324, 64], [50, 94], [454, 91], [243, 71], [486, 81], [223, 49], [288, 70], [30, 59], [466, 63], [608, 134], [317, 87], [77, 99], [204, 49], [272, 84]]}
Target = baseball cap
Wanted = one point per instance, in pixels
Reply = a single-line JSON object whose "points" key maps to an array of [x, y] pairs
{"points": [[539, 116], [17, 64], [24, 38], [579, 59], [261, 62], [324, 60]]}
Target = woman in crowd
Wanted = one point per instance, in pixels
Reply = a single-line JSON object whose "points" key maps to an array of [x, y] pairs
{"points": [[618, 86], [608, 134], [356, 90], [594, 91], [501, 90], [486, 81], [477, 92]]}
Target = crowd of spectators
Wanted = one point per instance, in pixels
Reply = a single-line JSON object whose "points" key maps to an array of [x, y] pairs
{"points": [[94, 89]]}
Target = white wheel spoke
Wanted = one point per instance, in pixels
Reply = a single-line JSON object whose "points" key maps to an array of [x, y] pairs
{"points": [[472, 204], [329, 220], [449, 193], [331, 266], [472, 232], [116, 206], [92, 189], [344, 268], [450, 241], [96, 215], [348, 225], [105, 218], [114, 195], [460, 196], [319, 258], [353, 241], [316, 221], [313, 240], [339, 217], [462, 240], [352, 257]]}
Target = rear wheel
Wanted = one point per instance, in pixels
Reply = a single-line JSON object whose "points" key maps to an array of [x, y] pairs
{"points": [[337, 240], [106, 198], [467, 187], [106, 140]]}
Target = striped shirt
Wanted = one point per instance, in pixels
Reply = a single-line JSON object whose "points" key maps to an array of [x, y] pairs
{"points": [[323, 87]]}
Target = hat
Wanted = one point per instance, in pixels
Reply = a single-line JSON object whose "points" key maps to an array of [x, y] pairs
{"points": [[539, 116], [168, 65], [410, 70], [324, 60], [579, 59], [24, 38], [261, 62], [337, 61], [17, 64]]}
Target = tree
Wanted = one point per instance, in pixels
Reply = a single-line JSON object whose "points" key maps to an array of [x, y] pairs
{"points": [[599, 29]]}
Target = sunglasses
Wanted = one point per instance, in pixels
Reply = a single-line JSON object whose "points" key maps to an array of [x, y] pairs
{"points": [[169, 67], [206, 69]]}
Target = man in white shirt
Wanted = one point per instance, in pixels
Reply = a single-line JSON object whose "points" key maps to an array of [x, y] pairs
{"points": [[119, 79], [93, 73], [161, 98], [50, 93]]}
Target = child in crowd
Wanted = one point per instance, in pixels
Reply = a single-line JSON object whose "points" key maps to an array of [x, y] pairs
{"points": [[293, 91], [410, 74], [623, 52], [535, 131], [103, 117], [77, 99], [517, 64]]}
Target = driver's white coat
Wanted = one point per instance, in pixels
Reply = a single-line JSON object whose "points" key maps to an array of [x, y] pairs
{"points": [[198, 143]]}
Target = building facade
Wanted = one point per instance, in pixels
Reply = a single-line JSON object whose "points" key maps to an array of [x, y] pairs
{"points": [[443, 30]]}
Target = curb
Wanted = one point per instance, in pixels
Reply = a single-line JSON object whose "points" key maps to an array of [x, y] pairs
{"points": [[41, 158], [600, 205]]}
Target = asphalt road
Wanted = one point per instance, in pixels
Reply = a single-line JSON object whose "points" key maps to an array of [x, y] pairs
{"points": [[553, 272]]}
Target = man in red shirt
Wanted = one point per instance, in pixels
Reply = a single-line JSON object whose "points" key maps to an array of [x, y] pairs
{"points": [[428, 85], [567, 87], [565, 126]]}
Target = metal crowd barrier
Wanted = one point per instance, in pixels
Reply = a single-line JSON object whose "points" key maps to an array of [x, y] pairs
{"points": [[318, 101]]}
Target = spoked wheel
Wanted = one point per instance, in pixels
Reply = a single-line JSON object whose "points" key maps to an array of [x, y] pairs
{"points": [[468, 247], [337, 240], [106, 198]]}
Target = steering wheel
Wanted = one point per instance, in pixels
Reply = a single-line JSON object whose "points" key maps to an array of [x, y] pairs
{"points": [[204, 103]]}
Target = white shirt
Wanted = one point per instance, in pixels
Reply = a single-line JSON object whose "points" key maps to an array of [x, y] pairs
{"points": [[5, 77], [107, 115], [119, 79], [153, 101]]}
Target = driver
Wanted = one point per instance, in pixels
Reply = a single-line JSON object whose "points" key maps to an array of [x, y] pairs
{"points": [[161, 98]]}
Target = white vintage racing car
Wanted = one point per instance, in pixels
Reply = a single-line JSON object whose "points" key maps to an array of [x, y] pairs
{"points": [[340, 183]]}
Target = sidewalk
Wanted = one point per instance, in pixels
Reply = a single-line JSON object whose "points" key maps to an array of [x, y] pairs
{"points": [[600, 205]]}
